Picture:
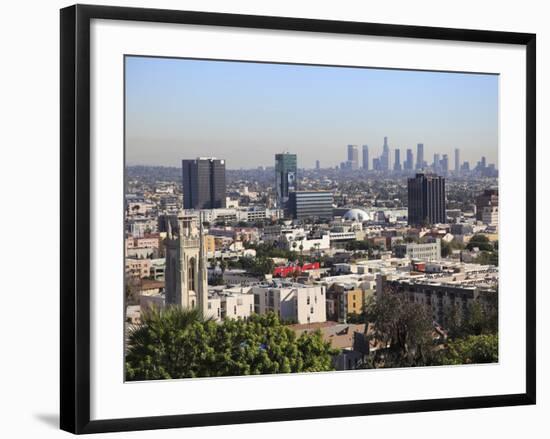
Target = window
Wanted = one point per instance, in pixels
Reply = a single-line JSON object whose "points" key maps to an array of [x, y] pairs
{"points": [[191, 275], [234, 309], [209, 305], [311, 310]]}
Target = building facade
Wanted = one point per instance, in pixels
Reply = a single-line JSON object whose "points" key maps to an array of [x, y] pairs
{"points": [[186, 272], [366, 157], [353, 157], [438, 297], [426, 200], [203, 182], [428, 251], [489, 215], [310, 204], [291, 302], [397, 160], [286, 177], [420, 156], [385, 157], [488, 198]]}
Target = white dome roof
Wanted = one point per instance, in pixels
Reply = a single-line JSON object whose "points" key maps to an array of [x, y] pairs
{"points": [[356, 215]]}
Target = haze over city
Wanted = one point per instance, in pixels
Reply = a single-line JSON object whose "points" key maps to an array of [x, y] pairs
{"points": [[247, 112]]}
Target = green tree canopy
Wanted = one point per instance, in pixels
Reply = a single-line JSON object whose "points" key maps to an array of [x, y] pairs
{"points": [[473, 349], [480, 241], [479, 318], [402, 329], [177, 343]]}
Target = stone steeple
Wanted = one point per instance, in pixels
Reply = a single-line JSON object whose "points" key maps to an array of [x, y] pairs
{"points": [[186, 268]]}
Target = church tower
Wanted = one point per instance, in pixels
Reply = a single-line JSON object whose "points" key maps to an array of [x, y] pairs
{"points": [[186, 266]]}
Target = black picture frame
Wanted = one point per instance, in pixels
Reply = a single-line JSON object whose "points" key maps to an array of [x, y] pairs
{"points": [[75, 217]]}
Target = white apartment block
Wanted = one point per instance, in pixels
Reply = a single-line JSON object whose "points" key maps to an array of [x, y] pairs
{"points": [[489, 215], [230, 305], [295, 302], [429, 251]]}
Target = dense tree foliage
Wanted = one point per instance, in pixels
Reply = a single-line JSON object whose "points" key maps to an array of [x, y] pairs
{"points": [[405, 335], [271, 251], [258, 266], [401, 329], [480, 241], [177, 343], [448, 247], [471, 350], [479, 318]]}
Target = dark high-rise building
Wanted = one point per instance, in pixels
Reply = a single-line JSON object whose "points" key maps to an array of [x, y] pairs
{"points": [[310, 204], [457, 160], [286, 178], [397, 161], [366, 157], [420, 156], [376, 164], [426, 200], [409, 163], [203, 183], [317, 164]]}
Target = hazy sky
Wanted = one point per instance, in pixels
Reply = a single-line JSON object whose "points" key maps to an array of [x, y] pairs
{"points": [[248, 112]]}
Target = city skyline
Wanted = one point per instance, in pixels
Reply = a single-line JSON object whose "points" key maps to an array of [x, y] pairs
{"points": [[247, 112]]}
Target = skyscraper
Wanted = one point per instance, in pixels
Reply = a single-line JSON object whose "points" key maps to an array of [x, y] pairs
{"points": [[457, 160], [426, 200], [397, 161], [436, 164], [285, 176], [203, 182], [353, 157], [445, 164], [409, 163], [317, 164], [366, 157], [385, 157], [420, 156]]}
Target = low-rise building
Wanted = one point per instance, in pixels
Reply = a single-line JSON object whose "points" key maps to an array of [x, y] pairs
{"points": [[344, 299], [489, 215], [456, 284], [291, 301], [425, 251], [139, 268]]}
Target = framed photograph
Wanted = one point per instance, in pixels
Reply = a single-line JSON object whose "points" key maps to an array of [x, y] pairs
{"points": [[275, 218]]}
